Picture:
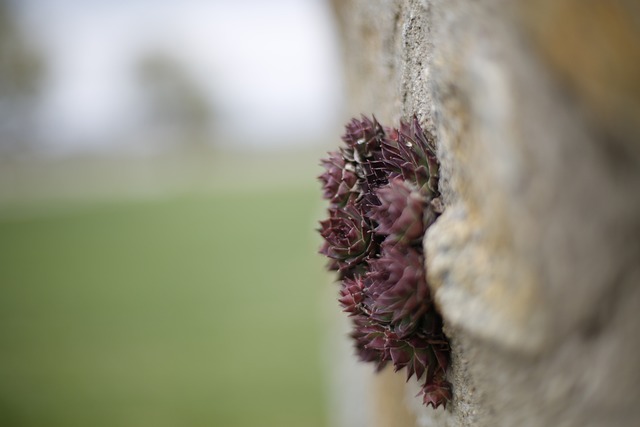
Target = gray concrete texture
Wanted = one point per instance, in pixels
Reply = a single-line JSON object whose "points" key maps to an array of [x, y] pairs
{"points": [[535, 264]]}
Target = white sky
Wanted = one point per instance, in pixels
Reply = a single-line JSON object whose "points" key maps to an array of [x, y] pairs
{"points": [[271, 64]]}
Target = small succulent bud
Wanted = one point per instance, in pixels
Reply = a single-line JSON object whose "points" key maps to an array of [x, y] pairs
{"points": [[340, 182], [436, 393], [400, 213], [363, 137], [352, 295], [409, 154]]}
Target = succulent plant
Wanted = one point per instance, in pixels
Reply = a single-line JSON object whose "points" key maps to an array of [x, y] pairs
{"points": [[437, 392], [382, 186], [369, 337], [352, 295], [363, 151], [400, 215], [340, 182], [399, 288], [348, 236], [363, 138], [409, 153]]}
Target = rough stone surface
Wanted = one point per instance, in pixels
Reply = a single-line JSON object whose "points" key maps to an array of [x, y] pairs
{"points": [[535, 263]]}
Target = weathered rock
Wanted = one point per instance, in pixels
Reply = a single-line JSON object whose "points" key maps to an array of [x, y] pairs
{"points": [[535, 263]]}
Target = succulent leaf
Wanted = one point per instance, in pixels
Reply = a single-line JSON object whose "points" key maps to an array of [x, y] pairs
{"points": [[412, 354], [352, 295]]}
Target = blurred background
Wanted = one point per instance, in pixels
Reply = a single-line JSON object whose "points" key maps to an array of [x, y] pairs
{"points": [[158, 202]]}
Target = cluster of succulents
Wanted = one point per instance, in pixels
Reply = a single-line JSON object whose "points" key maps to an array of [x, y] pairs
{"points": [[382, 188]]}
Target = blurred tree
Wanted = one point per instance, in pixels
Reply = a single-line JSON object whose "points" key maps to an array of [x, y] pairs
{"points": [[21, 72], [174, 100]]}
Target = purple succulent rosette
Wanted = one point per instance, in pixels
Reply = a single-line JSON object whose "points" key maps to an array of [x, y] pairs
{"points": [[348, 237], [400, 215], [340, 182], [382, 187]]}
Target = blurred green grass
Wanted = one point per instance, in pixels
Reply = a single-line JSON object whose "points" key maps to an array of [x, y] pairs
{"points": [[192, 310]]}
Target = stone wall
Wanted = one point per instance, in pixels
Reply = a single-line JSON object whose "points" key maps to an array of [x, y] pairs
{"points": [[535, 264]]}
